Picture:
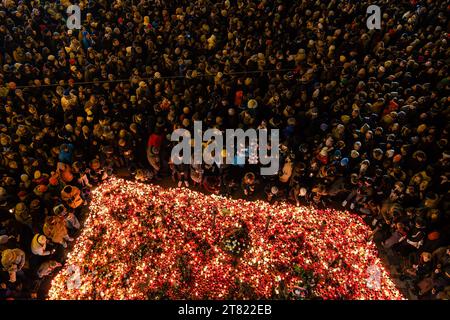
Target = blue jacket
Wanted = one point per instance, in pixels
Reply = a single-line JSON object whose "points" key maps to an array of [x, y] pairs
{"points": [[66, 157]]}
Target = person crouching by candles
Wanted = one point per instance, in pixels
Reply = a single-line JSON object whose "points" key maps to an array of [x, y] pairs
{"points": [[69, 215], [56, 230], [319, 192], [39, 244], [300, 195], [196, 174], [248, 183], [212, 184], [272, 194], [72, 196], [180, 172]]}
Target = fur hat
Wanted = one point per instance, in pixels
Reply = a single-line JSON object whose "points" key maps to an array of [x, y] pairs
{"points": [[8, 257], [252, 104], [354, 154]]}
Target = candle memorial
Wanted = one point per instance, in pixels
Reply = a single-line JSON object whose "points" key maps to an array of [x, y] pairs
{"points": [[142, 241]]}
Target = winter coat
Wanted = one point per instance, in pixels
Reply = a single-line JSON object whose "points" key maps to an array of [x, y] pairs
{"points": [[13, 261], [72, 196], [38, 248], [287, 172], [55, 229]]}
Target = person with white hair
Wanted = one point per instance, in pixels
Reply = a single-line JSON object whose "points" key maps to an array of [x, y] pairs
{"points": [[272, 194], [47, 267], [300, 194]]}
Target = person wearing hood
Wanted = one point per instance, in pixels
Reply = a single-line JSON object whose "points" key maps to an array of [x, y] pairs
{"points": [[13, 260], [39, 245]]}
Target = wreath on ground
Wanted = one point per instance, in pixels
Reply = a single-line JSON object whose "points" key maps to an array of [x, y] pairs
{"points": [[236, 241]]}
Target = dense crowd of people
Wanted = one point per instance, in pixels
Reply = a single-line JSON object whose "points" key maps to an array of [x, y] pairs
{"points": [[363, 115]]}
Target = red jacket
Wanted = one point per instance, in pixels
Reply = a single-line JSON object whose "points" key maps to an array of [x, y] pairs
{"points": [[155, 140]]}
